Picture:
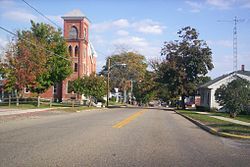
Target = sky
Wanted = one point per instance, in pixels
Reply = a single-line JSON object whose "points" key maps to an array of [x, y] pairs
{"points": [[144, 25]]}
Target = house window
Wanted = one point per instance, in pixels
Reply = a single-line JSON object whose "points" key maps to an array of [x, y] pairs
{"points": [[76, 51], [70, 50], [75, 67], [73, 34]]}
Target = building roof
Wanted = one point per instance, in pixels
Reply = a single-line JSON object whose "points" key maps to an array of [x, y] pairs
{"points": [[209, 83], [75, 14]]}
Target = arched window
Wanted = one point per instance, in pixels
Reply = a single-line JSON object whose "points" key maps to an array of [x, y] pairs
{"points": [[76, 51], [70, 50], [73, 34]]}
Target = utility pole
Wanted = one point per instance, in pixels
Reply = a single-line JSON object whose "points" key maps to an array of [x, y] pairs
{"points": [[235, 43], [108, 82]]}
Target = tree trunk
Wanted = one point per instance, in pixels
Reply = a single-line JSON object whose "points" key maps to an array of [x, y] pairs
{"points": [[90, 101], [124, 96], [183, 106], [233, 114], [38, 100], [9, 100], [17, 99], [50, 102]]}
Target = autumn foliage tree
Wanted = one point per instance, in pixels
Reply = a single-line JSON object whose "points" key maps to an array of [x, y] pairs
{"points": [[36, 60]]}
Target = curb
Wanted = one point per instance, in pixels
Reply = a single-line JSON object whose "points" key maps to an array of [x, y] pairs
{"points": [[101, 109], [212, 130]]}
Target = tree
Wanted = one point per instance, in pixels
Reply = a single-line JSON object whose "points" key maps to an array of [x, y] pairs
{"points": [[235, 96], [18, 69], [121, 75], [186, 60], [50, 55], [38, 61], [90, 86], [146, 89]]}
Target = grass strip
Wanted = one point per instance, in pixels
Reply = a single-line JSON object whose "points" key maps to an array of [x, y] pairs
{"points": [[219, 125]]}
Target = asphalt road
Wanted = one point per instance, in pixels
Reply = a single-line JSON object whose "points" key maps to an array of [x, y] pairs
{"points": [[116, 137]]}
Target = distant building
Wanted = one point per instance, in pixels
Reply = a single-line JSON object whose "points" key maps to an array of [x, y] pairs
{"points": [[82, 54], [207, 90]]}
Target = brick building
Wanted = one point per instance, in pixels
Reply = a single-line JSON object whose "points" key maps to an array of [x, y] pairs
{"points": [[82, 54]]}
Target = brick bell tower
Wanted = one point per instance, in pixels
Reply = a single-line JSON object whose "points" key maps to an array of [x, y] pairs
{"points": [[76, 34]]}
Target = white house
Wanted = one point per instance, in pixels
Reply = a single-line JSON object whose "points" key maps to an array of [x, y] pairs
{"points": [[208, 89]]}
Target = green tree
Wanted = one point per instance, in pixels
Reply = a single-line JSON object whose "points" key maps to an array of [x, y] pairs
{"points": [[90, 86], [235, 96], [49, 54], [121, 75], [186, 60], [145, 89]]}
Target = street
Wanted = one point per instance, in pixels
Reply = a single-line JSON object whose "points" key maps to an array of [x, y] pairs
{"points": [[116, 137]]}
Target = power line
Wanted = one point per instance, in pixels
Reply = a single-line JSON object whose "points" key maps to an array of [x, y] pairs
{"points": [[8, 31], [235, 43], [41, 14]]}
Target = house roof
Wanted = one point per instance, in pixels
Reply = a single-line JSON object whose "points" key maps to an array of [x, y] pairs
{"points": [[206, 85]]}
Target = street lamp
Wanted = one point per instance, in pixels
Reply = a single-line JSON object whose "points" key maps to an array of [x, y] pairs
{"points": [[108, 78]]}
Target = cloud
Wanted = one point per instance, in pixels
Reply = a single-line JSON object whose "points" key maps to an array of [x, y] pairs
{"points": [[221, 4], [121, 23], [122, 33], [195, 6], [3, 44], [20, 16], [148, 26], [104, 26], [131, 41]]}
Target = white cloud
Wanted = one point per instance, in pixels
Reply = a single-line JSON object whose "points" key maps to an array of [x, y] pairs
{"points": [[144, 26], [122, 33], [195, 6], [20, 16], [148, 26], [121, 23], [3, 44], [221, 4], [131, 41], [101, 27]]}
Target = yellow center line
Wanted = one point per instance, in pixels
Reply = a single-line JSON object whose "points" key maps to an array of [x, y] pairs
{"points": [[129, 119]]}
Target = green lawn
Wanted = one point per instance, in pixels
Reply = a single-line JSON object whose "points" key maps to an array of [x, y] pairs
{"points": [[221, 126], [245, 118]]}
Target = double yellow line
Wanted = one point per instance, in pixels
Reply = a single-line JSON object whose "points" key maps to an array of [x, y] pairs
{"points": [[129, 119]]}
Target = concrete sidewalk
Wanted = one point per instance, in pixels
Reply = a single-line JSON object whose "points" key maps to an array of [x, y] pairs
{"points": [[225, 119], [7, 111], [232, 120]]}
